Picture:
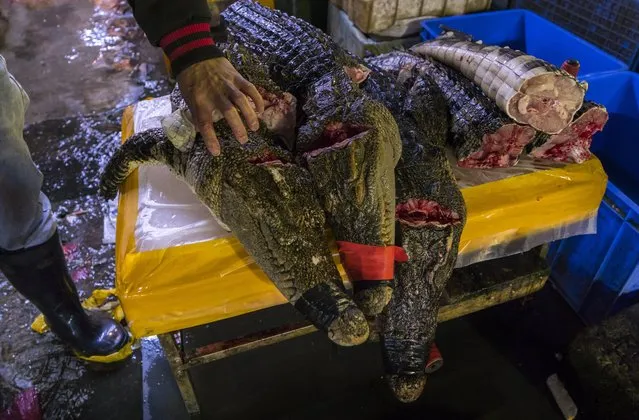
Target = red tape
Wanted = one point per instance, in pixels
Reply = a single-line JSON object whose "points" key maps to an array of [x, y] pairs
{"points": [[367, 262]]}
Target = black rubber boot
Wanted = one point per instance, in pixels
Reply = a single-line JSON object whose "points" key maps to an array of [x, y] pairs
{"points": [[40, 274]]}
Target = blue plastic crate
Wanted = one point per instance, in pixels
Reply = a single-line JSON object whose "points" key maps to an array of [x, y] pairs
{"points": [[599, 274], [611, 24], [528, 32], [618, 144]]}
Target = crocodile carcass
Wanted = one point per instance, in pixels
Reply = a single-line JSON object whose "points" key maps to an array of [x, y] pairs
{"points": [[572, 144], [529, 90], [430, 215], [264, 197], [270, 205], [349, 142], [482, 136]]}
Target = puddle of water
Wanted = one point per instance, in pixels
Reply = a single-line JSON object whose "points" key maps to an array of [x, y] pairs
{"points": [[29, 360], [95, 56], [71, 152], [94, 62]]}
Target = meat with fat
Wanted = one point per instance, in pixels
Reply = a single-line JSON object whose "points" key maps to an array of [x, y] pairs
{"points": [[481, 135], [529, 90], [572, 144]]}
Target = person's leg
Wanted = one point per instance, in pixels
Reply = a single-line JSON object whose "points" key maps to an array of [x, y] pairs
{"points": [[25, 212], [31, 255]]}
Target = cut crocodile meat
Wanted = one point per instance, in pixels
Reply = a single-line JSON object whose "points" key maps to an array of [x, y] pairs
{"points": [[499, 149], [528, 89], [280, 114], [482, 136], [357, 74], [280, 108], [337, 135], [351, 146], [267, 159], [430, 212], [417, 212], [330, 99], [271, 208], [572, 145]]}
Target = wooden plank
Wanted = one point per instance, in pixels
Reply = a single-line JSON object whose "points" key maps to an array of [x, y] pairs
{"points": [[470, 289], [180, 374], [491, 283]]}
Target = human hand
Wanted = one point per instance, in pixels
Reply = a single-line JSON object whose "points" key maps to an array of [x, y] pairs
{"points": [[214, 85]]}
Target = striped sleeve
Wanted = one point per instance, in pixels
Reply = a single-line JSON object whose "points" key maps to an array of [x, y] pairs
{"points": [[188, 45]]}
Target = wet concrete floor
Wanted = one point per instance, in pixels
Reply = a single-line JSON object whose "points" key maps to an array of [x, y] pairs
{"points": [[80, 62], [83, 61]]}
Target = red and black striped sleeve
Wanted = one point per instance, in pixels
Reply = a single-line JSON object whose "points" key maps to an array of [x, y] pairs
{"points": [[180, 28], [188, 45]]}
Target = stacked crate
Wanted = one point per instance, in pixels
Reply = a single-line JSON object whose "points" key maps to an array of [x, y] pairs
{"points": [[377, 16], [349, 37], [375, 26]]}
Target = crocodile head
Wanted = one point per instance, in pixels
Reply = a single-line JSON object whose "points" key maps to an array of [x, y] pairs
{"points": [[270, 205], [351, 145], [431, 215]]}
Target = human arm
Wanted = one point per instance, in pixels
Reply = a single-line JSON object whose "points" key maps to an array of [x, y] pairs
{"points": [[207, 80]]}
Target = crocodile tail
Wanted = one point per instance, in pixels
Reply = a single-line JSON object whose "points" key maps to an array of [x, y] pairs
{"points": [[150, 147], [295, 52]]}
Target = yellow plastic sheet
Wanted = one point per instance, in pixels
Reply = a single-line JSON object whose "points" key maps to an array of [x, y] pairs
{"points": [[518, 213], [170, 284]]}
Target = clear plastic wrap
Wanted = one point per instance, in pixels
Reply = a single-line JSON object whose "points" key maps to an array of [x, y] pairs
{"points": [[169, 213], [177, 267], [470, 177]]}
